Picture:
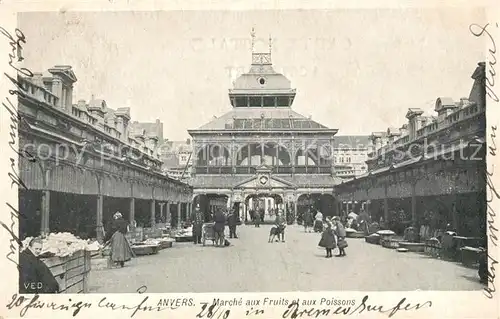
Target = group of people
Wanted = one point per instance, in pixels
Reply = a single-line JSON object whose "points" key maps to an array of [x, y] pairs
{"points": [[333, 236], [313, 223], [219, 219]]}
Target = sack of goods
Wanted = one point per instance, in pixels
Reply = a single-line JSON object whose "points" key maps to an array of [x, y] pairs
{"points": [[63, 244]]}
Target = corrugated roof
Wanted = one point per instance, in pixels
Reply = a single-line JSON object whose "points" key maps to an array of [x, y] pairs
{"points": [[244, 118]]}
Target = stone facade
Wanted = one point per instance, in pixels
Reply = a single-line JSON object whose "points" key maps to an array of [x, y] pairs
{"points": [[82, 162], [430, 166]]}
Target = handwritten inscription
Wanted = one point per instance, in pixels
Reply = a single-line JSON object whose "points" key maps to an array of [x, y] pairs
{"points": [[294, 311], [480, 31], [491, 192], [491, 195], [14, 56], [214, 311]]}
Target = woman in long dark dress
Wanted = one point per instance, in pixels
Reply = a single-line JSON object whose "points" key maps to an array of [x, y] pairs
{"points": [[121, 251], [34, 276]]}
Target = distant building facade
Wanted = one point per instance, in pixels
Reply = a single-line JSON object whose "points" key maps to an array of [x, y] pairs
{"points": [[177, 158], [350, 155], [155, 128]]}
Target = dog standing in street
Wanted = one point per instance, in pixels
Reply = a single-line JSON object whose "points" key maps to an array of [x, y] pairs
{"points": [[275, 231]]}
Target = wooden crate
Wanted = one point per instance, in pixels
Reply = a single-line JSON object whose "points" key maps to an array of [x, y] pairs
{"points": [[71, 272], [390, 243], [141, 250], [358, 234], [373, 239], [136, 235], [152, 233], [413, 247]]}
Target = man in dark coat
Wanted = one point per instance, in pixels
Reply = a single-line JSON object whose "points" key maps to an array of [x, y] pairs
{"points": [[220, 224], [280, 223], [232, 222], [34, 276], [257, 219], [308, 220], [197, 218]]}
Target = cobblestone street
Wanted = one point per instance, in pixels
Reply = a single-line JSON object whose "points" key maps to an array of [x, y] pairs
{"points": [[252, 264]]}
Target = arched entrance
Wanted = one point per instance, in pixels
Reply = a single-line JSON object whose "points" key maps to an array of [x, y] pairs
{"points": [[325, 203], [210, 203], [267, 205]]}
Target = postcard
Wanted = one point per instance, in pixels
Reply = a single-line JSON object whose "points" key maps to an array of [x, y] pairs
{"points": [[249, 160]]}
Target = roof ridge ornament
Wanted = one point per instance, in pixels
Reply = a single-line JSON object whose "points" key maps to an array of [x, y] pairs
{"points": [[270, 46], [252, 34]]}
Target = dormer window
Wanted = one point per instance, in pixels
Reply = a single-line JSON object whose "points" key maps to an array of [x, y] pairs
{"points": [[262, 81]]}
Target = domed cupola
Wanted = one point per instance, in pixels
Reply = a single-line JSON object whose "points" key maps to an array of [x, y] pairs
{"points": [[261, 86]]}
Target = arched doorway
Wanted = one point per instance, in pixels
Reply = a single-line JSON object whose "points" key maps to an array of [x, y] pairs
{"points": [[210, 203], [325, 203], [267, 205]]}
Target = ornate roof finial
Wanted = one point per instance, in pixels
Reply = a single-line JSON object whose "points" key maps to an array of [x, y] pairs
{"points": [[252, 34], [270, 44]]}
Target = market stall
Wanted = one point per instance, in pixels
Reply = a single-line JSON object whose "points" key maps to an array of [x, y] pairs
{"points": [[69, 260]]}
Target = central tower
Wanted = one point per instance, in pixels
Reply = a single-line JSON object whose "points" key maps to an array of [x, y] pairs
{"points": [[261, 86], [262, 148]]}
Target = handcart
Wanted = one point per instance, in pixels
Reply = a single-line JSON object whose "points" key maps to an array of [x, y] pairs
{"points": [[207, 233]]}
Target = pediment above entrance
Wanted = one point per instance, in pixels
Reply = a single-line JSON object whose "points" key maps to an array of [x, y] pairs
{"points": [[264, 181]]}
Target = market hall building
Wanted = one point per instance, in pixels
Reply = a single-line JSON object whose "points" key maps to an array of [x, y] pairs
{"points": [[83, 162], [431, 171], [262, 154]]}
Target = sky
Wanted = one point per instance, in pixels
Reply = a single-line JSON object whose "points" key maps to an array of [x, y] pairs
{"points": [[356, 70]]}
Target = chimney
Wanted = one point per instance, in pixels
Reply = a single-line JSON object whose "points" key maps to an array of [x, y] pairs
{"points": [[403, 130], [413, 115], [81, 104]]}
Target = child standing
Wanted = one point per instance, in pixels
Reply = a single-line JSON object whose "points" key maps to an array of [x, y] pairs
{"points": [[328, 239]]}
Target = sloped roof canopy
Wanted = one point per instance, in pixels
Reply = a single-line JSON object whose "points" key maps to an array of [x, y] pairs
{"points": [[262, 119]]}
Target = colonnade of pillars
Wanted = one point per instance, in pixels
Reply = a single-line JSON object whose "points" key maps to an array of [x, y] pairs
{"points": [[167, 213], [350, 206], [244, 210]]}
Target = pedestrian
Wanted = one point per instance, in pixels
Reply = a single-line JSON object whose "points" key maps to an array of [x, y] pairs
{"points": [[219, 226], [232, 223], [257, 219], [197, 218], [318, 222], [328, 239], [281, 225], [340, 233], [308, 220], [34, 275], [121, 251]]}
